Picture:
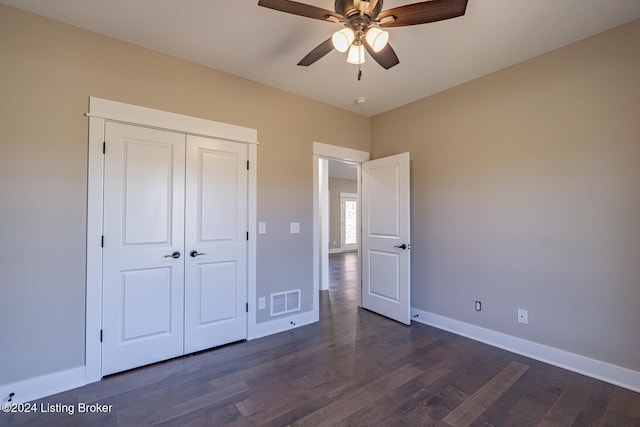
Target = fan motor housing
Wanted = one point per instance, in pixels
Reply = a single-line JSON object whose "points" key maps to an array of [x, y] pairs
{"points": [[347, 8]]}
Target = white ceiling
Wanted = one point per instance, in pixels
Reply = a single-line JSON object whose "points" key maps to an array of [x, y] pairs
{"points": [[241, 38]]}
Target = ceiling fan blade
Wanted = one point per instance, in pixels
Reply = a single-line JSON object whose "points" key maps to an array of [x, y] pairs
{"points": [[300, 9], [387, 57], [321, 50], [422, 13], [372, 5]]}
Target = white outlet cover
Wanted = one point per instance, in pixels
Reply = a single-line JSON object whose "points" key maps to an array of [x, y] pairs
{"points": [[261, 303], [294, 228], [262, 228], [523, 316]]}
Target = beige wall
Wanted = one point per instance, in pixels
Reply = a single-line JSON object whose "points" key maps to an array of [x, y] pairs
{"points": [[337, 186], [526, 194], [48, 71]]}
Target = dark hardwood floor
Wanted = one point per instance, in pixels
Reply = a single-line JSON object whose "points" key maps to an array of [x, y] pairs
{"points": [[352, 368]]}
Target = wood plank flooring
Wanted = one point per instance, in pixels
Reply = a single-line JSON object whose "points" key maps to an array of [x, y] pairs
{"points": [[353, 368]]}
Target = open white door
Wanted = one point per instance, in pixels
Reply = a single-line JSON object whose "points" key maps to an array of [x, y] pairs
{"points": [[385, 237]]}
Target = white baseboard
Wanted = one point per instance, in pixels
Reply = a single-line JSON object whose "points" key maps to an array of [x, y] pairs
{"points": [[597, 369], [46, 385], [283, 324]]}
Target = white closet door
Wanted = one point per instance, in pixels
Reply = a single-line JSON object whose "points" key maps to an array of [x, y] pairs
{"points": [[143, 227], [215, 243]]}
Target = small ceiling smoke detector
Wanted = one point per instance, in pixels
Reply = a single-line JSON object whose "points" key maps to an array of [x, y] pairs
{"points": [[361, 100]]}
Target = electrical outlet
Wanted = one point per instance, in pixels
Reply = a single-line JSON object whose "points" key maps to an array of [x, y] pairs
{"points": [[294, 228], [478, 306], [261, 303], [262, 228], [523, 316]]}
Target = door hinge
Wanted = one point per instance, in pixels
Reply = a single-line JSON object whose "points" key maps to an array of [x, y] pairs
{"points": [[100, 335], [102, 241], [247, 307], [247, 235], [247, 164], [104, 147]]}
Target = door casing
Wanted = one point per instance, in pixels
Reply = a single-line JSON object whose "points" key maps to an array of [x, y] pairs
{"points": [[321, 153]]}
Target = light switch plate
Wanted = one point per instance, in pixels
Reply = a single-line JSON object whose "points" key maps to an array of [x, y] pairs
{"points": [[262, 228], [294, 228]]}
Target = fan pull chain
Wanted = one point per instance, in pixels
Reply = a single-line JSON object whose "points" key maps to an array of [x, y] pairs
{"points": [[360, 66]]}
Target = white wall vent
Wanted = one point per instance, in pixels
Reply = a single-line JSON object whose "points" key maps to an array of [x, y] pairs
{"points": [[285, 302]]}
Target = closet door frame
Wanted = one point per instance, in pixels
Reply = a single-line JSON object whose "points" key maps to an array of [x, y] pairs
{"points": [[102, 111]]}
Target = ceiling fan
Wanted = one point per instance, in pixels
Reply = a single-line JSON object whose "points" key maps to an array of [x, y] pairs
{"points": [[363, 21]]}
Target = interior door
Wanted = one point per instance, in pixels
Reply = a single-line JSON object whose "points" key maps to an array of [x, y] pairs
{"points": [[385, 237], [143, 255], [216, 243]]}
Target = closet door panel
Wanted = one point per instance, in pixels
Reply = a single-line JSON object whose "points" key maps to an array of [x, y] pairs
{"points": [[143, 283], [216, 242]]}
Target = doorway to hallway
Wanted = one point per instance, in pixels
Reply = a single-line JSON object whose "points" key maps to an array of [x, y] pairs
{"points": [[384, 212]]}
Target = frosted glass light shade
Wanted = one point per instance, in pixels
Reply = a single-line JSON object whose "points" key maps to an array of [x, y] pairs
{"points": [[377, 38], [342, 39], [356, 54]]}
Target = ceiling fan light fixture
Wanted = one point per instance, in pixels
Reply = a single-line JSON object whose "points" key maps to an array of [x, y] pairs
{"points": [[377, 38], [342, 39], [356, 54], [362, 20]]}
